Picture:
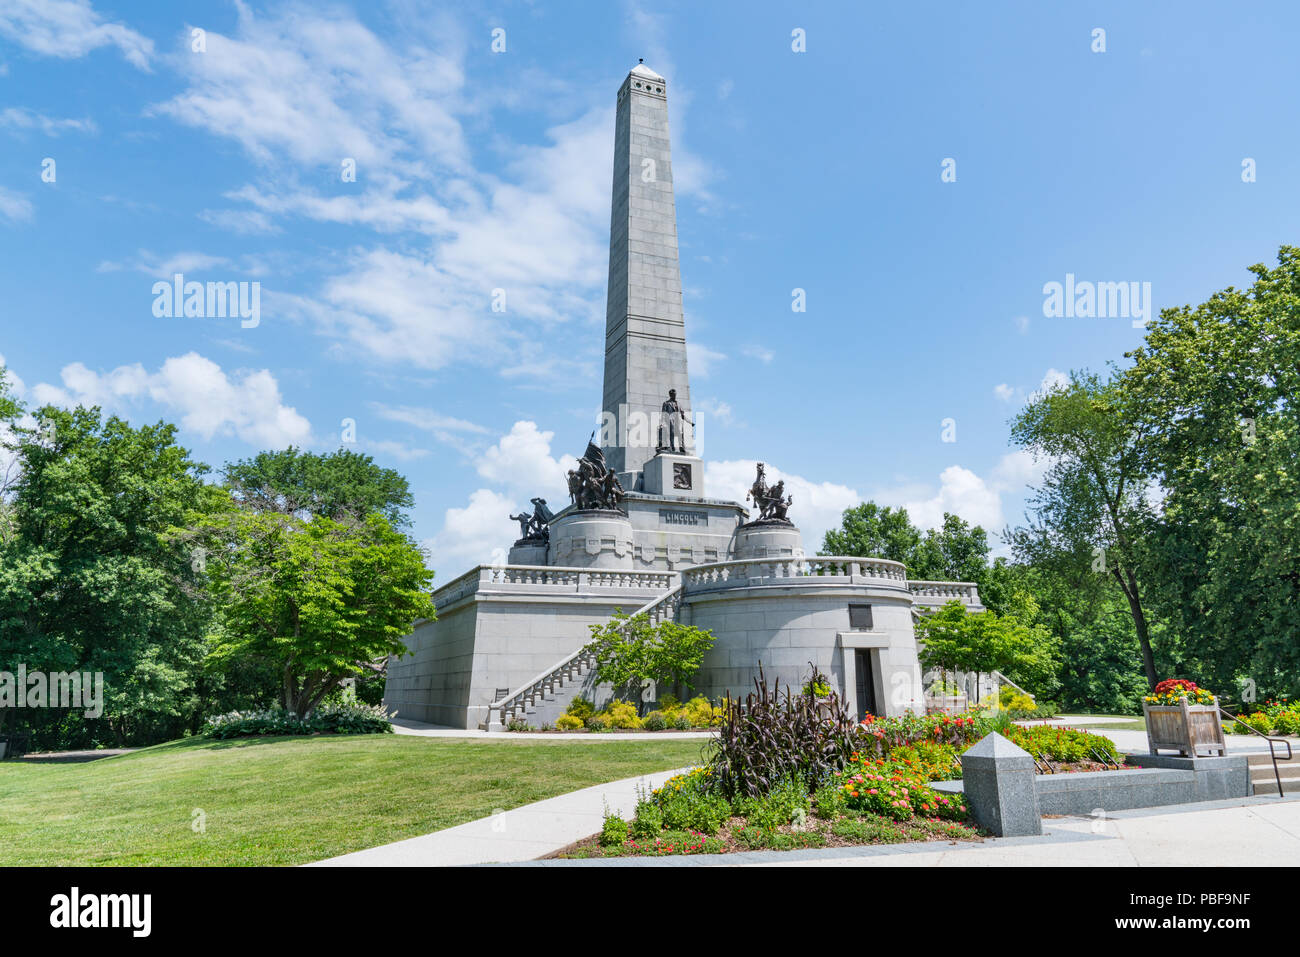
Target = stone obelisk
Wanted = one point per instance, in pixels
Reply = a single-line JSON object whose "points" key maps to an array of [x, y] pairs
{"points": [[645, 336]]}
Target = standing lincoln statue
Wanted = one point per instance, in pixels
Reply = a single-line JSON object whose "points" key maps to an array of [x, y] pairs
{"points": [[672, 418]]}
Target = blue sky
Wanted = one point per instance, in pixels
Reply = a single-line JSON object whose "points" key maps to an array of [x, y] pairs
{"points": [[478, 170]]}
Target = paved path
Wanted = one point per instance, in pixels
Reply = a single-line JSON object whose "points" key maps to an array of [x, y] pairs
{"points": [[421, 729], [519, 835]]}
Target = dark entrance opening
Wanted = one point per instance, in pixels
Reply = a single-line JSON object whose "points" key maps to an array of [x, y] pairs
{"points": [[866, 683]]}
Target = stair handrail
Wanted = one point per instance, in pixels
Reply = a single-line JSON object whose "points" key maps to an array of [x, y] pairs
{"points": [[1003, 679], [1272, 752], [533, 684]]}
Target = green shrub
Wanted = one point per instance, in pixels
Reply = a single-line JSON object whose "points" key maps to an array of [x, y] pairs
{"points": [[1062, 744], [694, 810], [1016, 702], [867, 830], [669, 705], [681, 722], [580, 708], [828, 802], [654, 721], [569, 722], [701, 713], [518, 724], [597, 722], [614, 831], [784, 841], [649, 820], [777, 807], [621, 714], [328, 719], [1287, 722]]}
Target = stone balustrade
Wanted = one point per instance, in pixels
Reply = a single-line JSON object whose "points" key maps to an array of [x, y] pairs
{"points": [[940, 593], [821, 569], [550, 578]]}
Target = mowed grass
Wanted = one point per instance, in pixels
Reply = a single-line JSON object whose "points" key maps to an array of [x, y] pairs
{"points": [[291, 800]]}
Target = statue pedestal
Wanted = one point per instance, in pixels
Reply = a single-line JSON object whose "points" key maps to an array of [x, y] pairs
{"points": [[527, 552], [767, 540], [674, 475], [593, 538]]}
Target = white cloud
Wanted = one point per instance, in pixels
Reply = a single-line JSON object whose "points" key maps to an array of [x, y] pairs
{"points": [[14, 207], [761, 353], [442, 426], [962, 492], [1053, 379], [714, 408], [207, 400], [520, 464], [522, 461], [1022, 324], [397, 450], [436, 306], [15, 383], [817, 506], [701, 359], [244, 222], [69, 29], [480, 532], [20, 118], [321, 88]]}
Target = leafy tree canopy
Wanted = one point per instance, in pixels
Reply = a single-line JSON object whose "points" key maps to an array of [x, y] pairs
{"points": [[342, 485], [1215, 395], [630, 651], [319, 600], [88, 579]]}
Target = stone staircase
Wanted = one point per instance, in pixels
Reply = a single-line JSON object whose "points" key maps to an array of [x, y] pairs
{"points": [[543, 699], [1261, 772]]}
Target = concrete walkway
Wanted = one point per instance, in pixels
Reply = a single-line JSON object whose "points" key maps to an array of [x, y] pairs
{"points": [[520, 835], [423, 730]]}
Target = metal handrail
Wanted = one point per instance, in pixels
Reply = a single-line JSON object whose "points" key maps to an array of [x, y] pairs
{"points": [[1272, 752]]}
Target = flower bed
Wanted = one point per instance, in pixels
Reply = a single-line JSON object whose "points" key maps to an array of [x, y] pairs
{"points": [[792, 770], [672, 715], [1274, 718], [688, 816]]}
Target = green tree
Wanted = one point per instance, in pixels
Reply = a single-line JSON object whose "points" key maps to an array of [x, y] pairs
{"points": [[955, 551], [630, 652], [342, 485], [89, 580], [870, 531], [1215, 391], [319, 600], [10, 411], [956, 639], [1091, 514]]}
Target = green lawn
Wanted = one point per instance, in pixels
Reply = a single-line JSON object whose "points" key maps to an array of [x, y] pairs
{"points": [[291, 800]]}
